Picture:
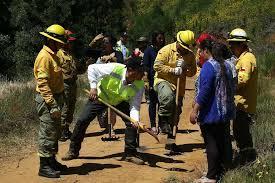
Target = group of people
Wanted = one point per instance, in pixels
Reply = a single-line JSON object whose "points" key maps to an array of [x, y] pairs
{"points": [[225, 91]]}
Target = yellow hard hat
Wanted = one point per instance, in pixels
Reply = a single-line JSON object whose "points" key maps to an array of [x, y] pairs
{"points": [[185, 39], [55, 32], [238, 35]]}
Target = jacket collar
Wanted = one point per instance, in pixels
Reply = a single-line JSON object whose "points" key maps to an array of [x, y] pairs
{"points": [[46, 48]]}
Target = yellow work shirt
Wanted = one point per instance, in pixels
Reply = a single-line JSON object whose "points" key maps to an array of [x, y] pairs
{"points": [[166, 60], [68, 65], [48, 74], [246, 94]]}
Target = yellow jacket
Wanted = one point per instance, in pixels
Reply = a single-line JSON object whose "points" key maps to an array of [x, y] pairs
{"points": [[246, 95], [48, 75], [68, 65], [166, 60]]}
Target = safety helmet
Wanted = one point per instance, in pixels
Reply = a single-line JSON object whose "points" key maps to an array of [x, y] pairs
{"points": [[70, 35], [238, 35], [55, 32], [142, 39], [186, 39]]}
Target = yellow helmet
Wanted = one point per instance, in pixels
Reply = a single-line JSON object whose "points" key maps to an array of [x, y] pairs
{"points": [[185, 39], [238, 35], [55, 32]]}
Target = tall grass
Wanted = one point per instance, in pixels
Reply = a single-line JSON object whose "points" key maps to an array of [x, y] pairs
{"points": [[263, 132], [19, 121]]}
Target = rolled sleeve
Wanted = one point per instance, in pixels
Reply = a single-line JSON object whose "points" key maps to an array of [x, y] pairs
{"points": [[135, 105]]}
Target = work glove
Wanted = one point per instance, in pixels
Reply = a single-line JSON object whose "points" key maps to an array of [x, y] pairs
{"points": [[181, 63], [55, 112], [177, 71]]}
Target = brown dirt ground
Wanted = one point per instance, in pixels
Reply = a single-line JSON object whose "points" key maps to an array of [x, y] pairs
{"points": [[98, 161]]}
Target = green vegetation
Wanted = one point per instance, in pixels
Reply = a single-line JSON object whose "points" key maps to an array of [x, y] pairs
{"points": [[263, 131], [21, 20], [18, 117]]}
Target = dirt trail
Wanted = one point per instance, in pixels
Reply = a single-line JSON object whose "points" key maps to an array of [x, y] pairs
{"points": [[98, 161]]}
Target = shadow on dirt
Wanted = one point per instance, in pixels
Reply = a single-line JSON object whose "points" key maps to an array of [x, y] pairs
{"points": [[190, 147], [85, 168], [152, 159], [187, 131]]}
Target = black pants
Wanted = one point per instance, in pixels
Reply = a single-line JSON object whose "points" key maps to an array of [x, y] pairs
{"points": [[153, 106], [90, 111], [243, 137], [218, 148], [241, 130]]}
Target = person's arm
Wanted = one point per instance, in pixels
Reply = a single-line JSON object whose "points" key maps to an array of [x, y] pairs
{"points": [[135, 105], [97, 71], [119, 57], [246, 67], [161, 62], [43, 75], [206, 84]]}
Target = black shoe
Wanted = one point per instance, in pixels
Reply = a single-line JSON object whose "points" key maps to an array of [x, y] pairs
{"points": [[133, 158], [65, 135], [69, 156], [56, 165], [46, 170], [172, 147]]}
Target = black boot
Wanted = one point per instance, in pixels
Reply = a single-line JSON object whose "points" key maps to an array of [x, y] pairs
{"points": [[65, 134], [164, 125], [56, 165], [46, 170]]}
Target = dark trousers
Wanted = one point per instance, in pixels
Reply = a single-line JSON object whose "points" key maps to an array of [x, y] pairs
{"points": [[153, 106], [218, 148], [241, 130], [243, 137], [90, 111]]}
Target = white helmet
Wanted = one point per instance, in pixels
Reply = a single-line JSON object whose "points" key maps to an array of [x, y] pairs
{"points": [[238, 35]]}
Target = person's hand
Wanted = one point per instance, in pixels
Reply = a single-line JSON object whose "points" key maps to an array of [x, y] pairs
{"points": [[55, 112], [98, 37], [146, 85], [93, 94], [194, 117]]}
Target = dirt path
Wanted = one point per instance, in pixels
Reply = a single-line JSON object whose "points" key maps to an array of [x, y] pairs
{"points": [[98, 160]]}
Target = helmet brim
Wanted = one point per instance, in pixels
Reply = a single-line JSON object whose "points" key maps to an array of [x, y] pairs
{"points": [[51, 37], [185, 47], [238, 40]]}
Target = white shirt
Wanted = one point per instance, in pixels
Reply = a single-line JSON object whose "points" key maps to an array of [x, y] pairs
{"points": [[98, 71]]}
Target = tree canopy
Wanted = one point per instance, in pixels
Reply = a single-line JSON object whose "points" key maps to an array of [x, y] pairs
{"points": [[22, 20]]}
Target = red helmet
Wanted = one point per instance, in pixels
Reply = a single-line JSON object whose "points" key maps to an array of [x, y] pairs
{"points": [[204, 36]]}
